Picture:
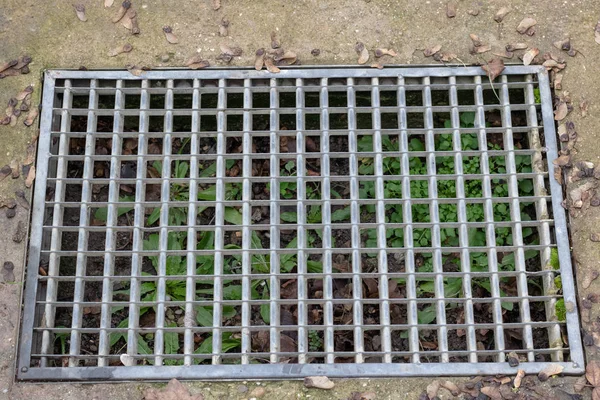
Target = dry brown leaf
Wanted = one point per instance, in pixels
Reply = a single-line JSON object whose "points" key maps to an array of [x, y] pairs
{"points": [[506, 54], [126, 48], [271, 67], [216, 4], [259, 61], [558, 81], [224, 27], [275, 43], [550, 370], [30, 155], [15, 168], [121, 11], [385, 52], [503, 380], [363, 53], [474, 12], [561, 111], [318, 382], [175, 390], [445, 56], [558, 175], [432, 389], [289, 57], [377, 65], [108, 3], [580, 384], [587, 280], [592, 373], [525, 25], [493, 68], [564, 45], [492, 392], [127, 20], [583, 108], [30, 177], [476, 40], [501, 13], [24, 93], [481, 49], [597, 33], [80, 11], [31, 116], [432, 50], [196, 62], [450, 9], [451, 387], [519, 378], [596, 394], [530, 55], [232, 50], [7, 65], [169, 35]]}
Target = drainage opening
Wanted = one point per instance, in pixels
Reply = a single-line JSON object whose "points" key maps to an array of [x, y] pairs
{"points": [[347, 222]]}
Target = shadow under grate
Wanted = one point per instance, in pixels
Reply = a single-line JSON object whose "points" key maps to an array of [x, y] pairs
{"points": [[334, 221]]}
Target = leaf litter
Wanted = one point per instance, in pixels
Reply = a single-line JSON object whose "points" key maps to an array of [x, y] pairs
{"points": [[526, 25], [501, 13], [80, 12], [169, 35], [493, 68], [363, 53], [126, 48], [121, 11]]}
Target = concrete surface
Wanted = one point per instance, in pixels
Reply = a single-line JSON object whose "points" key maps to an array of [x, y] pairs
{"points": [[52, 35]]}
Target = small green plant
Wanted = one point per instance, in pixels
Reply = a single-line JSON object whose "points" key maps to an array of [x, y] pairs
{"points": [[315, 342]]}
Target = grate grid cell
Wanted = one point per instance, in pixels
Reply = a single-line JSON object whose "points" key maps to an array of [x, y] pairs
{"points": [[230, 223]]}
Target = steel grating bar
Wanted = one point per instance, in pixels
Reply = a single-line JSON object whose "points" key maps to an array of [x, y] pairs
{"points": [[490, 233], [301, 218], [357, 311], [324, 265], [463, 233]]}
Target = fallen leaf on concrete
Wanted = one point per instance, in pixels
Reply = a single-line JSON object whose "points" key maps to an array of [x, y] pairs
{"points": [[5, 171], [385, 52], [597, 33], [474, 12], [7, 65], [196, 62], [275, 44], [318, 382], [8, 274], [271, 67], [21, 199], [501, 13], [363, 53], [492, 392], [558, 175], [530, 55], [108, 3], [525, 25], [445, 56], [580, 384], [175, 390], [377, 65], [450, 10], [30, 177], [493, 68], [562, 110], [550, 370], [288, 57], [583, 108], [15, 168], [24, 93], [558, 81], [80, 11], [224, 27], [519, 378], [587, 280], [231, 49], [596, 394], [564, 45], [516, 46], [169, 35], [31, 116], [135, 70], [432, 50], [451, 387], [592, 373], [259, 60], [432, 389], [121, 11], [506, 54], [20, 233], [216, 4], [126, 48]]}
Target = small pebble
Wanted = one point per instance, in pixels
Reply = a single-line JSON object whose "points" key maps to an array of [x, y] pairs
{"points": [[242, 389], [588, 340], [594, 237], [595, 202], [315, 52], [165, 58]]}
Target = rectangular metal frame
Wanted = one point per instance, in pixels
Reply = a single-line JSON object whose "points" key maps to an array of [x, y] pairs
{"points": [[53, 157]]}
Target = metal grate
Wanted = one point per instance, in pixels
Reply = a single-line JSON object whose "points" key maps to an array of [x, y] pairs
{"points": [[342, 221]]}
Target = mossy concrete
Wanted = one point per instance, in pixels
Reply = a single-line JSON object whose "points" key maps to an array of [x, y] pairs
{"points": [[51, 34]]}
